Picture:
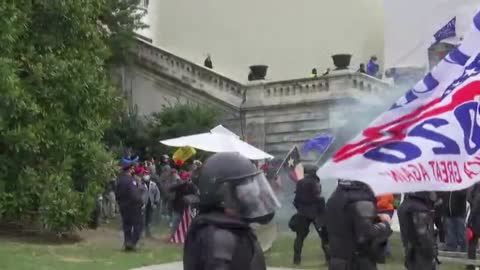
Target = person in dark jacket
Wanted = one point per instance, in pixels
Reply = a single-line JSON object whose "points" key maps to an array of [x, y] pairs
{"points": [[416, 215], [440, 214], [456, 213], [130, 200], [233, 194], [181, 191], [373, 67], [473, 222], [208, 62], [310, 207], [356, 233], [361, 69]]}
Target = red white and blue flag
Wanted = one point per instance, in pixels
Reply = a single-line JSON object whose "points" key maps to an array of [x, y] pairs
{"points": [[293, 165], [180, 234], [429, 140]]}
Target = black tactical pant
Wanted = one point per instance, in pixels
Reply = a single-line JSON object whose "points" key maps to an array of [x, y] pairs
{"points": [[439, 223], [148, 219], [132, 225], [414, 260], [302, 229]]}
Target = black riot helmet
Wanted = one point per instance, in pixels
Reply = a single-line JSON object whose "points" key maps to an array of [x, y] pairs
{"points": [[310, 170], [230, 181], [429, 197], [356, 185]]}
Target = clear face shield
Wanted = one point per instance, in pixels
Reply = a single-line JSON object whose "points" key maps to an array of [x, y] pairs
{"points": [[252, 198]]}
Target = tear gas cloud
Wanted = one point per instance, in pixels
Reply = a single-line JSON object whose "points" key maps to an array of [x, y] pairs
{"points": [[347, 121]]}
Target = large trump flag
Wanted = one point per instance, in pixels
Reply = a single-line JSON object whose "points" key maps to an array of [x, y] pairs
{"points": [[429, 140]]}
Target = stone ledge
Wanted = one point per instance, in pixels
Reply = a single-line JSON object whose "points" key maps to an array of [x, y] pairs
{"points": [[336, 85], [188, 72]]}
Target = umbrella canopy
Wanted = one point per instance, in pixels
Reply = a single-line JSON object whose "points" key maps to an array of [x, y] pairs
{"points": [[219, 140]]}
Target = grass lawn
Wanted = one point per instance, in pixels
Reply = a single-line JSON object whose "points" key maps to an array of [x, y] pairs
{"points": [[100, 250], [281, 254]]}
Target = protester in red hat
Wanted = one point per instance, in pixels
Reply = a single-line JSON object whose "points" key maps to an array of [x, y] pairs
{"points": [[183, 193], [151, 198], [185, 176]]}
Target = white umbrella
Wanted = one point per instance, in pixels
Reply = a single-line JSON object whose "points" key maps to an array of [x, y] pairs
{"points": [[219, 140]]}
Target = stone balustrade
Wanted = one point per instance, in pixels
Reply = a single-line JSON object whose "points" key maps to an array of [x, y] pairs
{"points": [[338, 84], [198, 77]]}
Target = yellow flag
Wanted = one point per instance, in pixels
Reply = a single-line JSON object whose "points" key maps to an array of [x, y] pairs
{"points": [[184, 153]]}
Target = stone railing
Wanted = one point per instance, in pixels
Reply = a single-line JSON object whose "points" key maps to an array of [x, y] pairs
{"points": [[198, 77], [336, 85]]}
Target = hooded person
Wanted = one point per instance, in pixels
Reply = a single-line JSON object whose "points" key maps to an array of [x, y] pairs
{"points": [[233, 194]]}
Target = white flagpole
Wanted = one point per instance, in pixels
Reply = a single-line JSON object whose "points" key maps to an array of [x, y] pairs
{"points": [[328, 147]]}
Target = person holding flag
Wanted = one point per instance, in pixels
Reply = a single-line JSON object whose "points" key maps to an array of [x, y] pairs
{"points": [[310, 207]]}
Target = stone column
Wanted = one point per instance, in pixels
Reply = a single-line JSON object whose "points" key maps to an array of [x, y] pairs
{"points": [[255, 130]]}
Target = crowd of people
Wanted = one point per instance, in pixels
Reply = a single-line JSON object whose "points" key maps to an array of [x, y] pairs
{"points": [[147, 192], [354, 226]]}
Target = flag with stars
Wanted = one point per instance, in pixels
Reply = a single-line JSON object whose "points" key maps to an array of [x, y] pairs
{"points": [[429, 140], [293, 166]]}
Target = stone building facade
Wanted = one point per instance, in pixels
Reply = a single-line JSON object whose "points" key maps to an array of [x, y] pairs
{"points": [[272, 115]]}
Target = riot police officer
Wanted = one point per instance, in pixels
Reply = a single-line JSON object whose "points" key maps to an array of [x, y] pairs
{"points": [[356, 233], [310, 207], [416, 217], [233, 193], [130, 199]]}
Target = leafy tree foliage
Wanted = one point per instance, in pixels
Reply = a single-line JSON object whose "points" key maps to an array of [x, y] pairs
{"points": [[144, 133], [180, 119], [56, 100], [129, 130]]}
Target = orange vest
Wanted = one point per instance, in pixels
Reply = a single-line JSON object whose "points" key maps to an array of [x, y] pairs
{"points": [[385, 202]]}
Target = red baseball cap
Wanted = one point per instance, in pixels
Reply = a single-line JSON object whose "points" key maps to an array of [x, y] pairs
{"points": [[140, 171]]}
